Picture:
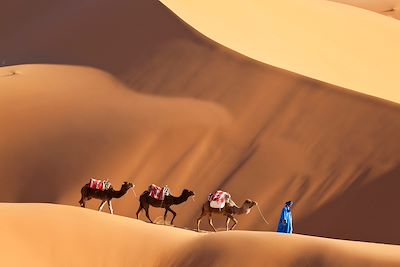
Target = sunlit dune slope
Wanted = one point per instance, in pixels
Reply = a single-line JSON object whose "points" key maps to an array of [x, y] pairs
{"points": [[348, 46], [338, 44], [79, 237], [385, 7]]}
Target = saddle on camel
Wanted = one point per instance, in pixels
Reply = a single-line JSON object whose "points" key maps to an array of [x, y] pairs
{"points": [[158, 192], [99, 184], [219, 199]]}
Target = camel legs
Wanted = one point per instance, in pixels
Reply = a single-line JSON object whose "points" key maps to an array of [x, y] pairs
{"points": [[84, 197], [110, 206], [174, 213], [138, 211], [147, 213], [102, 205], [146, 209], [227, 222], [199, 219], [234, 221], [82, 202], [211, 222], [165, 215], [198, 222]]}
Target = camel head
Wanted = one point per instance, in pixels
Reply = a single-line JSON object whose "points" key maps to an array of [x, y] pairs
{"points": [[126, 186], [187, 193], [248, 204]]}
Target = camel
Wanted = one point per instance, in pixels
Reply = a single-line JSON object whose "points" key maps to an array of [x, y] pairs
{"points": [[105, 196], [229, 210], [146, 200]]}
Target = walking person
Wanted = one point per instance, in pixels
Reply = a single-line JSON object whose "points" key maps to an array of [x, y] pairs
{"points": [[285, 224]]}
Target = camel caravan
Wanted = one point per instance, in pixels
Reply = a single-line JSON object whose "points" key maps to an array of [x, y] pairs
{"points": [[219, 202]]}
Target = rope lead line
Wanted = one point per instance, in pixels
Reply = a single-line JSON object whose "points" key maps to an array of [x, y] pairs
{"points": [[134, 193], [262, 216]]}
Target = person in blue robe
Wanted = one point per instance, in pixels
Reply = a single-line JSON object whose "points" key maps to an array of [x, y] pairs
{"points": [[285, 224]]}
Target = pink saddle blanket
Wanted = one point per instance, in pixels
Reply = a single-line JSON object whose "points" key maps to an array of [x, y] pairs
{"points": [[99, 184], [158, 192]]}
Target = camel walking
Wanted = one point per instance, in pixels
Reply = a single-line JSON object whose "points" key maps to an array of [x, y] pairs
{"points": [[105, 196], [146, 200], [229, 210]]}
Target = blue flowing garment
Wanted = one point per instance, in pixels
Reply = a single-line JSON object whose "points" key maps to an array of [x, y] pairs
{"points": [[285, 215]]}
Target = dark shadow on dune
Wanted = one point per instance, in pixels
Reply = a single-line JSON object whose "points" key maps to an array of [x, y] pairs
{"points": [[47, 182], [310, 261], [102, 34], [51, 166], [364, 212], [43, 186], [7, 74], [242, 161], [206, 256], [176, 164]]}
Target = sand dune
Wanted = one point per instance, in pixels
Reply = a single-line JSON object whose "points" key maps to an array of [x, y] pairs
{"points": [[110, 36], [345, 47], [81, 237], [348, 46], [209, 117], [64, 125], [385, 7]]}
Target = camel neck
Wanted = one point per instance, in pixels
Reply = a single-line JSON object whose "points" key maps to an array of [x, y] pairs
{"points": [[240, 210], [180, 199], [120, 193]]}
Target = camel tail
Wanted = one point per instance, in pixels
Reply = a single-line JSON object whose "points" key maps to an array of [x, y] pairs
{"points": [[84, 189], [84, 192]]}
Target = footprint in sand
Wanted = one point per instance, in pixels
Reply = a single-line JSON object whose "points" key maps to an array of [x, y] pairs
{"points": [[7, 73]]}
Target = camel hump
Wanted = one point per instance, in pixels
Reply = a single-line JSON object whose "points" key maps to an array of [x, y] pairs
{"points": [[219, 199]]}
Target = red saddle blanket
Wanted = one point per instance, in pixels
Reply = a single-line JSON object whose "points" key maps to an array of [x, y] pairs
{"points": [[99, 184], [158, 192], [218, 199]]}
